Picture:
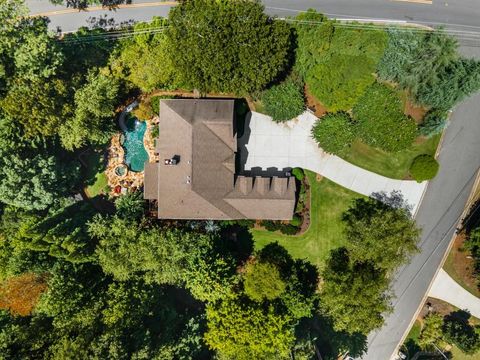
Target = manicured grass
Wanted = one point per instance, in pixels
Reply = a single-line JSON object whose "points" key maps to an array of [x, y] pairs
{"points": [[94, 179], [392, 165], [459, 355], [100, 186], [328, 202]]}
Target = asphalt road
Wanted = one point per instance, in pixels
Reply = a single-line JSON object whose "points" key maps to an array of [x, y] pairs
{"points": [[446, 195], [438, 215]]}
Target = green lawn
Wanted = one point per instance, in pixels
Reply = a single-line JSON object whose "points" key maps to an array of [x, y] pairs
{"points": [[328, 202], [100, 186], [94, 178], [392, 165]]}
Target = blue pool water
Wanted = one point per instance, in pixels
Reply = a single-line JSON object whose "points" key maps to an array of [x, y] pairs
{"points": [[135, 153]]}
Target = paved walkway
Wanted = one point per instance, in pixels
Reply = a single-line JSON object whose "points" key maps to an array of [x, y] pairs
{"points": [[447, 289], [290, 144]]}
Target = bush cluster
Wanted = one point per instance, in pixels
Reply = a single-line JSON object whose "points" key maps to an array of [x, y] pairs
{"points": [[381, 121], [284, 101], [344, 61], [334, 133], [286, 229], [298, 173], [424, 167]]}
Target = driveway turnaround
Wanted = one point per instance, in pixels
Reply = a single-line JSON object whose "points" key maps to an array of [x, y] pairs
{"points": [[447, 289], [267, 144]]}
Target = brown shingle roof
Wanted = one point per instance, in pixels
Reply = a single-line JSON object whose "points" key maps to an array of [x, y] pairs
{"points": [[202, 185]]}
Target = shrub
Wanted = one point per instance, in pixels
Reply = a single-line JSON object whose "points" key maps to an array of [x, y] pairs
{"points": [[289, 229], [284, 101], [144, 110], [339, 80], [334, 133], [424, 167], [296, 220], [433, 122], [298, 173], [381, 121], [269, 225]]}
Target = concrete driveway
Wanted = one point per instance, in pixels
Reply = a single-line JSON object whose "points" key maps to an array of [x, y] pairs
{"points": [[267, 144], [447, 289]]}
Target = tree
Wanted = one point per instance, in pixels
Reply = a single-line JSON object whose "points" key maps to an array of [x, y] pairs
{"points": [[458, 331], [232, 322], [284, 101], [434, 122], [431, 331], [145, 60], [31, 178], [313, 42], [354, 295], [428, 65], [41, 106], [344, 62], [34, 183], [262, 281], [334, 133], [127, 249], [131, 205], [379, 234], [20, 294], [212, 44], [38, 54], [62, 232], [95, 105]]}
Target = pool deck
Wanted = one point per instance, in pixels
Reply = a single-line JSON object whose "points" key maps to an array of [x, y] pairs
{"points": [[116, 157]]}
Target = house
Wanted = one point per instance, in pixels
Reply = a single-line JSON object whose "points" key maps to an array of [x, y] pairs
{"points": [[196, 176]]}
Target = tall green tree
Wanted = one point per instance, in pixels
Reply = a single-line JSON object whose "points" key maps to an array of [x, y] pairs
{"points": [[231, 324], [94, 118], [431, 331], [354, 295], [145, 60], [380, 234], [226, 46]]}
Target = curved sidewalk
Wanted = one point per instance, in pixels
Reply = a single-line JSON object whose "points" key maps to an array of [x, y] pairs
{"points": [[268, 144], [447, 289]]}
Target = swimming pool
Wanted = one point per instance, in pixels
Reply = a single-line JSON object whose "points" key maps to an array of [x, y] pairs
{"points": [[135, 153]]}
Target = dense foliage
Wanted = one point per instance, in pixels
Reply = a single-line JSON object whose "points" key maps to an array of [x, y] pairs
{"points": [[284, 101], [338, 63], [428, 65], [334, 133], [381, 121], [434, 122], [380, 234], [458, 331], [380, 237], [424, 167], [83, 279], [233, 46], [263, 281]]}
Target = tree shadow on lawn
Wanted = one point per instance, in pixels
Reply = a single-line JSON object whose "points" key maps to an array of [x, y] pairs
{"points": [[94, 161], [331, 343]]}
